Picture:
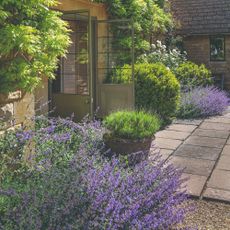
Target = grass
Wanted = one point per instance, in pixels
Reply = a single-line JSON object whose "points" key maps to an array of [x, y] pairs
{"points": [[132, 124]]}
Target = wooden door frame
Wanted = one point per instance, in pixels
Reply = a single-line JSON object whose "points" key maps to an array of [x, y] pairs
{"points": [[92, 44]]}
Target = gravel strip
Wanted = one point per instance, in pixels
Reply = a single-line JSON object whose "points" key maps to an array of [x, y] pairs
{"points": [[209, 215]]}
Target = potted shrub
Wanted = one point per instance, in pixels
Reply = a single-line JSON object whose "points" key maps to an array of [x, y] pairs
{"points": [[130, 133]]}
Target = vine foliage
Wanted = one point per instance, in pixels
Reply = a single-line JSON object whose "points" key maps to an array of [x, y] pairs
{"points": [[32, 37], [150, 17]]}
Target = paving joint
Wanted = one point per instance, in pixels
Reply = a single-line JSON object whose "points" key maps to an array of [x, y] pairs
{"points": [[205, 168]]}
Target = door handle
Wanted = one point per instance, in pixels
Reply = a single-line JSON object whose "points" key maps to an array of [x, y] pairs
{"points": [[87, 101]]}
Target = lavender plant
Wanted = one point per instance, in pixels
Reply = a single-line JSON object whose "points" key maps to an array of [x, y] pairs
{"points": [[92, 193], [203, 102], [11, 154], [56, 140], [89, 191]]}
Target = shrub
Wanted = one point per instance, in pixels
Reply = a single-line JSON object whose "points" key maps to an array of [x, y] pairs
{"points": [[89, 192], [11, 154], [32, 38], [92, 195], [203, 102], [149, 18], [156, 87], [51, 141], [191, 75], [131, 124], [159, 53]]}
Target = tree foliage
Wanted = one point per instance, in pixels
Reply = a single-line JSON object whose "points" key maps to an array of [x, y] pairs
{"points": [[150, 17], [32, 37]]}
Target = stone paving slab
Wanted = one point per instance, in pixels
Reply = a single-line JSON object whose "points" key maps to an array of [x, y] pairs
{"points": [[202, 149], [224, 163], [220, 179], [165, 153], [193, 166], [228, 142], [217, 194], [206, 141], [187, 122], [164, 143], [227, 115], [182, 128], [199, 152], [211, 133], [175, 135], [221, 119], [195, 184], [226, 150], [215, 126]]}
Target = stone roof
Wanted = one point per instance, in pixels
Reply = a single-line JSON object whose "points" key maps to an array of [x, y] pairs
{"points": [[202, 16]]}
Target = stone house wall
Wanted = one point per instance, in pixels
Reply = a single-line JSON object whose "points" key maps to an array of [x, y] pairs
{"points": [[198, 50], [15, 111]]}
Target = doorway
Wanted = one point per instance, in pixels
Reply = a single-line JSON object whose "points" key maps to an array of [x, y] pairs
{"points": [[72, 90], [80, 87]]}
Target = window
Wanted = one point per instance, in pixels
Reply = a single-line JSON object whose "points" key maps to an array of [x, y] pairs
{"points": [[217, 48]]}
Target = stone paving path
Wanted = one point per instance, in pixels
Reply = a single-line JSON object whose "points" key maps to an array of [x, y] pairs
{"points": [[202, 147]]}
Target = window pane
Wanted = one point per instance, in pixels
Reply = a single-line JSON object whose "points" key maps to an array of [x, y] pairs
{"points": [[217, 48], [75, 67]]}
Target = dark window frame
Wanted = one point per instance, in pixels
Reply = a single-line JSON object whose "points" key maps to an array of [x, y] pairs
{"points": [[212, 59]]}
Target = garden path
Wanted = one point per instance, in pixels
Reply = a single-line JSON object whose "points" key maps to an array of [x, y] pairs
{"points": [[202, 147]]}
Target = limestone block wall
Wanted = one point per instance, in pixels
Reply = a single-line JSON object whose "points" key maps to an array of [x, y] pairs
{"points": [[198, 49], [41, 98], [15, 111]]}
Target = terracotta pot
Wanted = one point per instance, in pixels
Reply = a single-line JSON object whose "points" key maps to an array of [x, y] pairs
{"points": [[135, 150]]}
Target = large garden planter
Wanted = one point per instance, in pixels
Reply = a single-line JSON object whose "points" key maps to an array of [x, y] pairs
{"points": [[135, 150]]}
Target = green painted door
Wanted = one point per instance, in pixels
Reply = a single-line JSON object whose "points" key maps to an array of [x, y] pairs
{"points": [[72, 89]]}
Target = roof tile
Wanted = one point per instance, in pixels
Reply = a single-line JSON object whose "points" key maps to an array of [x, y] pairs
{"points": [[202, 16]]}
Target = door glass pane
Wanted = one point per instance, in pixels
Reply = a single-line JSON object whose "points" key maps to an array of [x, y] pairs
{"points": [[75, 66]]}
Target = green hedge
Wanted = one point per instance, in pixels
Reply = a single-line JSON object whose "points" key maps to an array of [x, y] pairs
{"points": [[191, 75], [156, 87]]}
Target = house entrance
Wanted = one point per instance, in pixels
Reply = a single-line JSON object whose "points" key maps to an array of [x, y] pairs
{"points": [[81, 86], [72, 90]]}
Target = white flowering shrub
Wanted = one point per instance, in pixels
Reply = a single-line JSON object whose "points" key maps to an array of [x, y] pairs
{"points": [[159, 53]]}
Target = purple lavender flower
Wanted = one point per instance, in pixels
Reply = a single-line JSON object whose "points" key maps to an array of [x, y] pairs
{"points": [[74, 187], [24, 136], [102, 195], [203, 102]]}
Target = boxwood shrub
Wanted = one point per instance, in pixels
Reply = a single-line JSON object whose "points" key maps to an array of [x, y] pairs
{"points": [[191, 75], [132, 125], [156, 87]]}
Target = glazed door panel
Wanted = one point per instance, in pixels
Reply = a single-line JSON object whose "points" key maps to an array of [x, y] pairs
{"points": [[75, 72]]}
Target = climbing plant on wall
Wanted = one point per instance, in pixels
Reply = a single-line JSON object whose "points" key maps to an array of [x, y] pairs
{"points": [[150, 17], [32, 37]]}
